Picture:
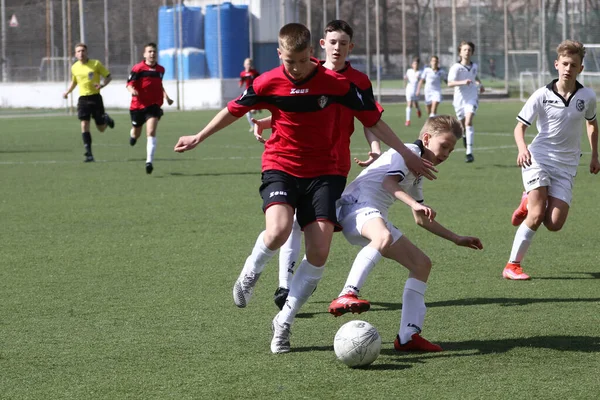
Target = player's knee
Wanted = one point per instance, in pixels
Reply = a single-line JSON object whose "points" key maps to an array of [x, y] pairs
{"points": [[535, 217], [554, 226], [275, 237], [382, 240], [101, 128], [317, 255]]}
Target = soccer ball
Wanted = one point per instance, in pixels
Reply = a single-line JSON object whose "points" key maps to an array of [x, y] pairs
{"points": [[357, 343]]}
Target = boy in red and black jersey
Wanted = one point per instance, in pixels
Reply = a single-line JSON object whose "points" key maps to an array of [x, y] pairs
{"points": [[299, 164], [247, 76], [147, 96]]}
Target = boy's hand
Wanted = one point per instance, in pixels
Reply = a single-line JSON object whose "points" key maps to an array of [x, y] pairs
{"points": [[169, 101], [428, 211], [186, 143], [524, 158], [469, 241], [419, 166], [259, 126], [369, 161], [594, 165]]}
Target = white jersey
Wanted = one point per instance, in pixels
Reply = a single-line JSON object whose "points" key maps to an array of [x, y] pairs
{"points": [[464, 93], [412, 79], [367, 187], [433, 79], [559, 121]]}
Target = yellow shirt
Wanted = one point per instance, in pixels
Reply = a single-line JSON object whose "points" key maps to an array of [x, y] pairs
{"points": [[87, 75]]}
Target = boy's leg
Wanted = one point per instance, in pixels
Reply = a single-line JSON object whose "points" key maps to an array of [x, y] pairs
{"points": [[86, 136], [557, 212], [151, 125], [413, 299], [469, 136], [434, 106], [407, 111], [418, 108], [288, 257], [278, 218], [249, 118]]}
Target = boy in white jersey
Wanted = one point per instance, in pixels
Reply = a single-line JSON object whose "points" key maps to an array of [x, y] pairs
{"points": [[463, 77], [433, 77], [412, 77], [549, 164], [363, 213]]}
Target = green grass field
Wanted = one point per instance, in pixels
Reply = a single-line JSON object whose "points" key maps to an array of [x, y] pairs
{"points": [[115, 284]]}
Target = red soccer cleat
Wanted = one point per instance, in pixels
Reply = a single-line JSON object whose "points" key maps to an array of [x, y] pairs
{"points": [[514, 272], [419, 112], [416, 343], [521, 212], [348, 303], [407, 123]]}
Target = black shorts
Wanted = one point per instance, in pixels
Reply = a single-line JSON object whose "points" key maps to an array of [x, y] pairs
{"points": [[139, 117], [313, 198], [91, 106]]}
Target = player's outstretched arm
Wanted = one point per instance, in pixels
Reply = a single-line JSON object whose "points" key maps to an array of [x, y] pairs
{"points": [[416, 164], [592, 131], [375, 146], [524, 156], [438, 229], [390, 184], [223, 119]]}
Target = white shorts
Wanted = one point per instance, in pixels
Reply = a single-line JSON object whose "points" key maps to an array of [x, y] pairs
{"points": [[353, 217], [463, 109], [558, 181], [432, 96]]}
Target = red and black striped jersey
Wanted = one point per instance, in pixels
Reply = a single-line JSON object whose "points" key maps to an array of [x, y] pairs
{"points": [[247, 77], [147, 80]]}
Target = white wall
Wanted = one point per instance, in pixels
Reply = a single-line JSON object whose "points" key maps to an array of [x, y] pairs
{"points": [[194, 94]]}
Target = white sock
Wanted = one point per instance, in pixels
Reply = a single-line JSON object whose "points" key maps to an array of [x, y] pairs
{"points": [[470, 136], [249, 116], [521, 243], [431, 115], [408, 113], [363, 264], [303, 284], [150, 148], [131, 133], [288, 255], [413, 309], [260, 256]]}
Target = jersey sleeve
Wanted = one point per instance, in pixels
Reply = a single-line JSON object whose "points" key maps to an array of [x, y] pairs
{"points": [[363, 103], [397, 166], [452, 73], [416, 191], [133, 76], [102, 69], [590, 113], [531, 108], [247, 101]]}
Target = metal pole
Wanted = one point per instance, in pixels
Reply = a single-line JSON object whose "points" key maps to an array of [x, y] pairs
{"points": [[219, 53], [506, 45], [378, 60], [106, 58], [337, 9], [478, 35], [131, 49], [175, 54], [564, 26], [543, 43], [65, 48], [403, 37], [3, 60], [81, 23], [282, 12], [309, 14], [324, 14], [367, 41], [250, 33], [180, 59], [432, 28], [454, 41], [52, 70]]}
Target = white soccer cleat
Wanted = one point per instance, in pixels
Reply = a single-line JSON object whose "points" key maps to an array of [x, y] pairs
{"points": [[244, 287], [281, 337]]}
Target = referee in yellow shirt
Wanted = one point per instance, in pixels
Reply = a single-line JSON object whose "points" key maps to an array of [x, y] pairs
{"points": [[86, 73]]}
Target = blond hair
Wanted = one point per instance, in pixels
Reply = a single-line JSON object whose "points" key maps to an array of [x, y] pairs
{"points": [[570, 48], [442, 124], [294, 37]]}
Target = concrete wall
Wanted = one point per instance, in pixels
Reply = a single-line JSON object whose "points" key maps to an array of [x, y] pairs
{"points": [[194, 94]]}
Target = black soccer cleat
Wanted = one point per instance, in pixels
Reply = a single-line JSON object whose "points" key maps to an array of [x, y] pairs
{"points": [[132, 141], [469, 158], [280, 297], [109, 121], [88, 157], [149, 168]]}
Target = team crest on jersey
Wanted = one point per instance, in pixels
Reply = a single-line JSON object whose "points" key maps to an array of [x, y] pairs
{"points": [[322, 101], [580, 105], [90, 75]]}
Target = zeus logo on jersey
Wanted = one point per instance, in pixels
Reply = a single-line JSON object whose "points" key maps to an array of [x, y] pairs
{"points": [[298, 91], [278, 193], [360, 97], [551, 101]]}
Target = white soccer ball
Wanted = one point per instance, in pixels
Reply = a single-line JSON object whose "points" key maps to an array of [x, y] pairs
{"points": [[357, 343]]}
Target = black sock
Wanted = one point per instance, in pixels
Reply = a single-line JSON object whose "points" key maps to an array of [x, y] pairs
{"points": [[87, 142]]}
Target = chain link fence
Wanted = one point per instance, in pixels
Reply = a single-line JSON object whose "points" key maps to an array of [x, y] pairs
{"points": [[515, 40]]}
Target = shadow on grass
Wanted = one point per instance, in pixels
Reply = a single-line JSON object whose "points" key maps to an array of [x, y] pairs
{"points": [[215, 174], [582, 344], [34, 151], [589, 275]]}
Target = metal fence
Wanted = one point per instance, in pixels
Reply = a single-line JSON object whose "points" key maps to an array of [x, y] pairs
{"points": [[514, 40]]}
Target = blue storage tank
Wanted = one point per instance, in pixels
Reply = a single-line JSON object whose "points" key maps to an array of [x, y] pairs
{"points": [[192, 63], [265, 56], [168, 27], [234, 39]]}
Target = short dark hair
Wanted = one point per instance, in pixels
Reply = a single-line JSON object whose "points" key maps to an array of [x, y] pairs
{"points": [[470, 44], [151, 44], [81, 45], [339, 25], [294, 37]]}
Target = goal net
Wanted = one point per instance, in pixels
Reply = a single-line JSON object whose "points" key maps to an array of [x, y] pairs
{"points": [[591, 67], [525, 72]]}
